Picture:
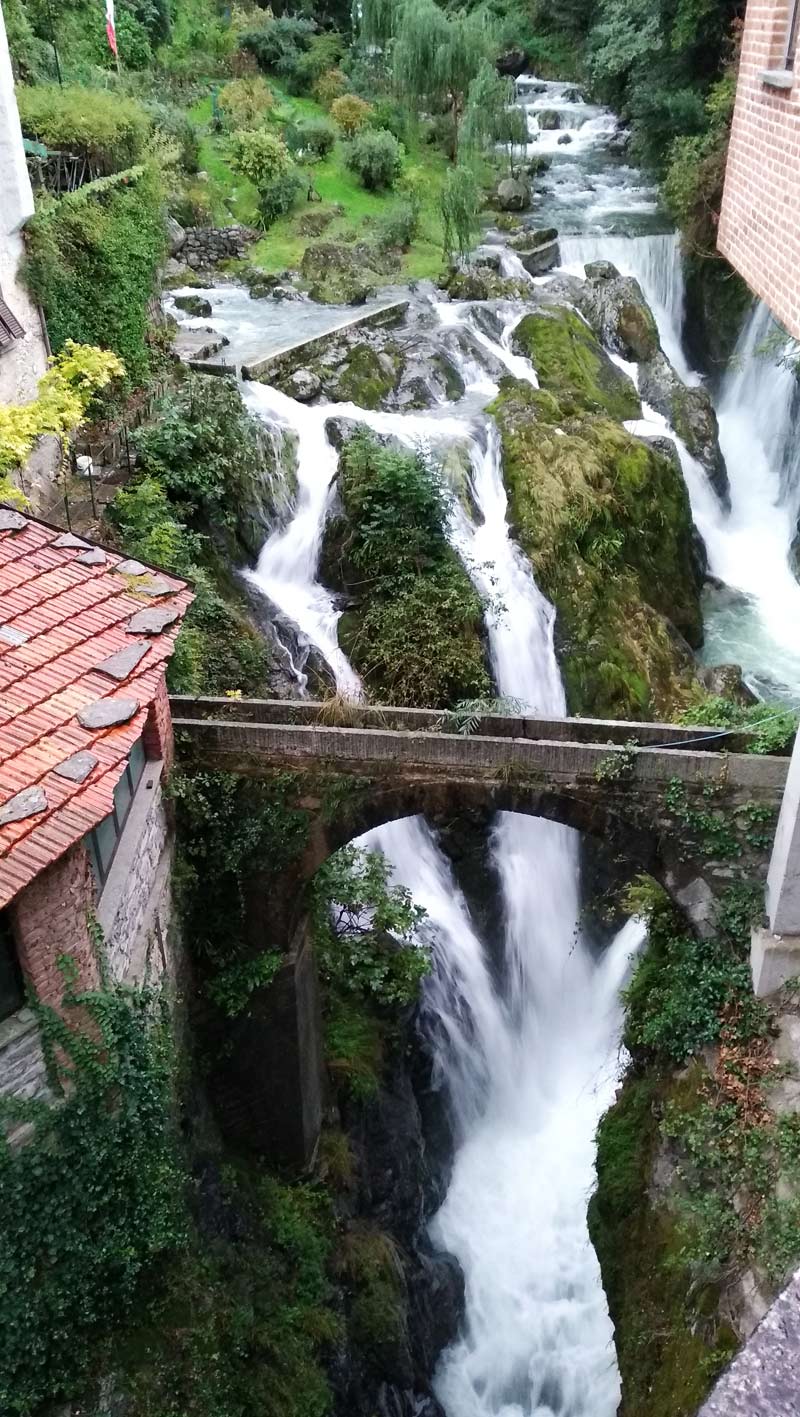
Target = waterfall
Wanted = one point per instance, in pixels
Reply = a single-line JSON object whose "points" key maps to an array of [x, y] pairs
{"points": [[656, 262], [527, 1054]]}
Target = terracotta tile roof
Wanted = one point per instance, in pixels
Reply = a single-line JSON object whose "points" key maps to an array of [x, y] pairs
{"points": [[72, 617]]}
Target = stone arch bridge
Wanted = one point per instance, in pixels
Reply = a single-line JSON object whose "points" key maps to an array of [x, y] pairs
{"points": [[687, 805]]}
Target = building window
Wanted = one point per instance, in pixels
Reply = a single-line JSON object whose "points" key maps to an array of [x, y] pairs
{"points": [[102, 842], [792, 34], [12, 994]]}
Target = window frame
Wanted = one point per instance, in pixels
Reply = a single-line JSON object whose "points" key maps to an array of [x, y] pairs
{"points": [[132, 776], [8, 944], [790, 43]]}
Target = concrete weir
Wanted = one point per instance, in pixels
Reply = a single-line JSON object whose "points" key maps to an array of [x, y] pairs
{"points": [[289, 354]]}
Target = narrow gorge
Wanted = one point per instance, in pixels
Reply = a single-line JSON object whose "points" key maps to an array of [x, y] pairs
{"points": [[573, 435]]}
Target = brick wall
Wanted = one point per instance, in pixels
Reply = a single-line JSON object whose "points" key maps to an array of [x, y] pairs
{"points": [[759, 228], [158, 736], [50, 920]]}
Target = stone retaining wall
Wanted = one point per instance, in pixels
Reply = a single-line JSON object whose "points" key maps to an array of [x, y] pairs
{"points": [[208, 245]]}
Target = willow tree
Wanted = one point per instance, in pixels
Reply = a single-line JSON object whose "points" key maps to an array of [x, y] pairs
{"points": [[460, 208], [435, 54], [492, 116]]}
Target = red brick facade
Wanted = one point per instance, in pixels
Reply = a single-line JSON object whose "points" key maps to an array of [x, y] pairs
{"points": [[158, 736], [759, 230], [51, 919]]}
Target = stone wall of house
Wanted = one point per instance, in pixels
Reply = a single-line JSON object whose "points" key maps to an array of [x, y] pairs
{"points": [[23, 1072], [135, 910], [759, 229], [207, 245]]}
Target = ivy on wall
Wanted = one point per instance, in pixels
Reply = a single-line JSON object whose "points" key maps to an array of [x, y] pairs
{"points": [[91, 264], [90, 1201]]}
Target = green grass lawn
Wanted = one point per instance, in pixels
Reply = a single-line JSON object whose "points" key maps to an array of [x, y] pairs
{"points": [[233, 198]]}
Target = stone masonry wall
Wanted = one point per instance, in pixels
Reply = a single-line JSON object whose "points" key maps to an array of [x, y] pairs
{"points": [[142, 910], [206, 245], [759, 228]]}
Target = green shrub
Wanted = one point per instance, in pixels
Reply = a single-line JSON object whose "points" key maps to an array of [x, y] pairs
{"points": [[350, 113], [279, 196], [91, 263], [324, 51], [260, 156], [278, 40], [174, 122], [315, 136], [107, 128], [398, 227], [244, 103], [330, 86], [203, 448], [390, 115], [376, 157]]}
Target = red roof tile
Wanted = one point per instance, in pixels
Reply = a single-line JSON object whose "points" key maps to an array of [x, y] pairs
{"points": [[75, 617]]}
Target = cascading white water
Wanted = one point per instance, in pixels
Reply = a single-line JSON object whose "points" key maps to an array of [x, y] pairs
{"points": [[527, 1059], [656, 262], [749, 545]]}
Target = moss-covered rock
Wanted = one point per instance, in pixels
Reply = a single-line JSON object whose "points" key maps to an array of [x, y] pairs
{"points": [[616, 309], [606, 522], [336, 275], [367, 377], [670, 1339], [571, 363], [482, 283]]}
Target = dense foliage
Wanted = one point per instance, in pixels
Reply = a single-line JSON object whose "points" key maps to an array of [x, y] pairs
{"points": [[65, 392], [92, 1199], [371, 958], [728, 1164], [416, 633], [109, 129], [197, 460], [91, 263]]}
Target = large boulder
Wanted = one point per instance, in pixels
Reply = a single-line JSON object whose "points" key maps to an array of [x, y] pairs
{"points": [[548, 119], [335, 274], [617, 311], [195, 305], [176, 236], [512, 63], [606, 522], [572, 364], [513, 194], [690, 412]]}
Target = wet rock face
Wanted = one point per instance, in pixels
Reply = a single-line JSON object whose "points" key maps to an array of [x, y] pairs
{"points": [[549, 119], [387, 1366], [617, 310], [690, 412]]}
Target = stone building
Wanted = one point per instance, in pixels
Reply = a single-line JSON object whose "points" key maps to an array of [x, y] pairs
{"points": [[85, 742], [759, 230]]}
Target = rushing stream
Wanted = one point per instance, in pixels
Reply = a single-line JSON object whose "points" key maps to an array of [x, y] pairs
{"points": [[527, 1052]]}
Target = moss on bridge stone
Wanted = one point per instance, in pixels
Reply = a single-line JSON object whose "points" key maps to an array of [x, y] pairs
{"points": [[605, 519]]}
